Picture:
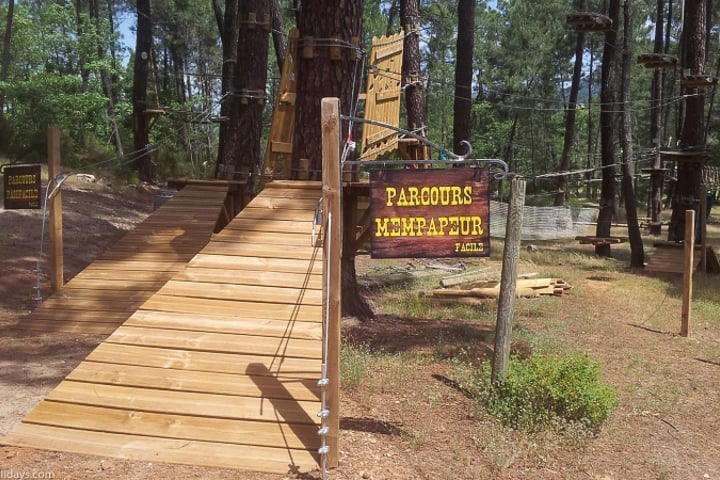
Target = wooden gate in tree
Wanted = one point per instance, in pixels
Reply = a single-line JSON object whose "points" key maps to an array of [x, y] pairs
{"points": [[278, 155], [382, 98]]}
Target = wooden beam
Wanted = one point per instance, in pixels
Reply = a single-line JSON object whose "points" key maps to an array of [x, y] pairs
{"points": [[56, 237], [688, 272], [511, 255], [330, 118]]}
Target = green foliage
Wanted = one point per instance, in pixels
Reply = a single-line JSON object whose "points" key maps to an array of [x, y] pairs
{"points": [[489, 133], [547, 390]]}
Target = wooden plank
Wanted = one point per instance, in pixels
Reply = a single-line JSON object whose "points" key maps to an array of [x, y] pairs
{"points": [[282, 226], [96, 273], [86, 282], [112, 420], [250, 277], [154, 266], [152, 449], [255, 293], [61, 308], [112, 353], [225, 324], [302, 313], [148, 257], [278, 214], [271, 202], [245, 236], [108, 296], [185, 403], [231, 262], [169, 247], [296, 252], [216, 342], [198, 382], [293, 189]]}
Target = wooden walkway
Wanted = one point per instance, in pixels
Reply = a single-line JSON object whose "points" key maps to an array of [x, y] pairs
{"points": [[219, 367], [108, 291]]}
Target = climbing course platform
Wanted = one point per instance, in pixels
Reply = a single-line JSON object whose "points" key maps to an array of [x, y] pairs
{"points": [[109, 290], [220, 366]]}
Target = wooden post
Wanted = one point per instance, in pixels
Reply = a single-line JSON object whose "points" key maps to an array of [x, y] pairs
{"points": [[330, 125], [688, 272], [703, 228], [55, 206], [508, 280]]}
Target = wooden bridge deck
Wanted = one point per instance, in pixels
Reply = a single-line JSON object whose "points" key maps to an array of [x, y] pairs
{"points": [[219, 367], [108, 291]]}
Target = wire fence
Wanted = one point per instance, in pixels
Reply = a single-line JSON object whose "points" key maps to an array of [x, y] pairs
{"points": [[544, 223]]}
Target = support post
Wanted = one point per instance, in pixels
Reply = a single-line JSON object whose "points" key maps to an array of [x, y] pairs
{"points": [[330, 125], [508, 281], [703, 227], [688, 272], [55, 207]]}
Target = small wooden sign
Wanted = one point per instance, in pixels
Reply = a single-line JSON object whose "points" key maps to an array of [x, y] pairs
{"points": [[430, 213], [22, 186]]}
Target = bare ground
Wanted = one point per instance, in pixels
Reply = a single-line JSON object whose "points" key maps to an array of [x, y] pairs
{"points": [[415, 423]]}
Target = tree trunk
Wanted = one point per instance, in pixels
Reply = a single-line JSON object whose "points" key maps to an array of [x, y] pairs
{"points": [[219, 19], [229, 47], [569, 137], [5, 64], [323, 73], [462, 107], [637, 253], [278, 35], [242, 153], [393, 13], [689, 174], [105, 81], [656, 130], [141, 121], [412, 79], [321, 22], [608, 108], [82, 61]]}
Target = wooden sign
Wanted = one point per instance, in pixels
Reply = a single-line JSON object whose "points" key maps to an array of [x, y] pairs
{"points": [[22, 186], [430, 213]]}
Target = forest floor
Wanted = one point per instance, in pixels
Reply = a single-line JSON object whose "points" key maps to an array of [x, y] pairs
{"points": [[407, 418]]}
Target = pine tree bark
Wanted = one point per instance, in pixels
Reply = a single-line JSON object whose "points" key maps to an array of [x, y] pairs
{"points": [[242, 157], [278, 35], [656, 127], [607, 131], [412, 79], [323, 25], [462, 107], [637, 252], [5, 63], [229, 37], [569, 137], [141, 70], [321, 22], [686, 195]]}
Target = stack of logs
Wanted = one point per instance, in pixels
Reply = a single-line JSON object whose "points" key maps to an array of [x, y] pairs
{"points": [[481, 291]]}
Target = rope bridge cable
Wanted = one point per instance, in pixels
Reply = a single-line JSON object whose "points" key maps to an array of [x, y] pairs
{"points": [[53, 186]]}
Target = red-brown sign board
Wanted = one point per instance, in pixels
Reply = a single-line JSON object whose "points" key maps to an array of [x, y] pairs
{"points": [[430, 213], [21, 186]]}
